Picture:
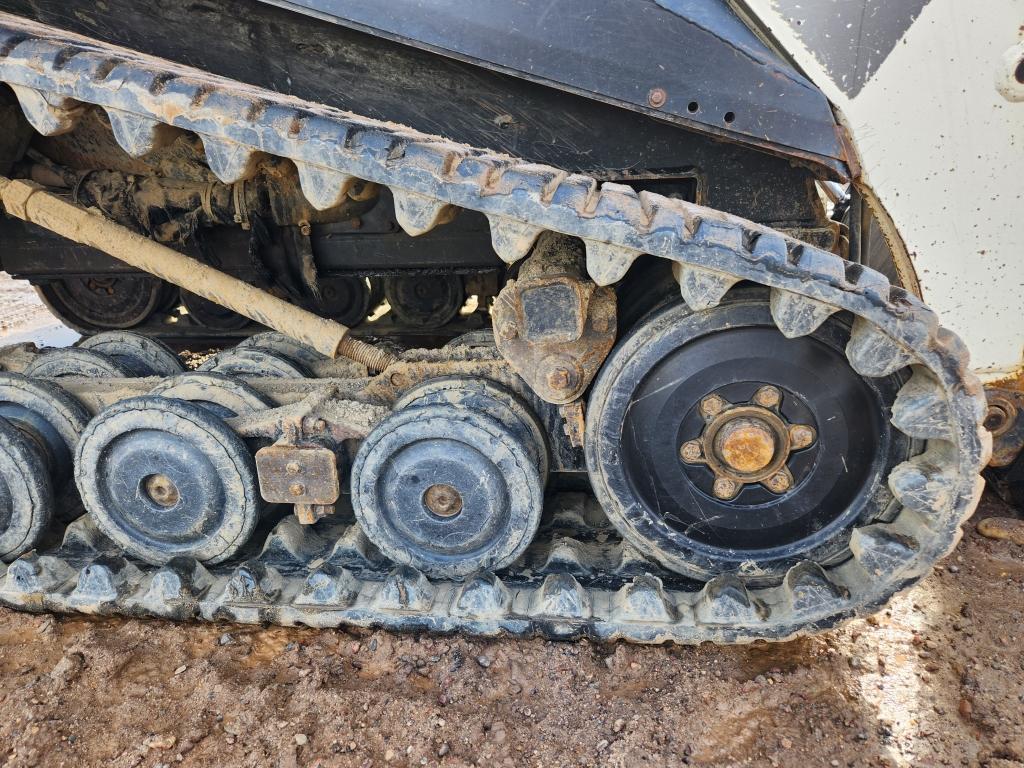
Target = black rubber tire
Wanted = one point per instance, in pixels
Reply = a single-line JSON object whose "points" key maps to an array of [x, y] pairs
{"points": [[691, 535], [210, 315], [212, 471], [343, 299], [273, 341], [50, 412], [428, 301], [413, 449], [26, 493], [127, 301], [250, 361], [73, 361], [142, 355], [222, 395]]}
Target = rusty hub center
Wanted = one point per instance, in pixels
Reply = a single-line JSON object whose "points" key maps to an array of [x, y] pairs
{"points": [[161, 490], [442, 500], [747, 443]]}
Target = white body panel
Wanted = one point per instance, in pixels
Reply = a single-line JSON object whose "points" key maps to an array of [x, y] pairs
{"points": [[938, 126]]}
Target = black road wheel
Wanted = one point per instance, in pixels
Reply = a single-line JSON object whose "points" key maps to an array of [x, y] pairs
{"points": [[252, 361], [142, 355], [165, 478], [220, 394], [425, 301], [273, 341], [446, 490], [26, 492], [74, 361], [89, 304], [344, 299], [211, 315], [715, 444]]}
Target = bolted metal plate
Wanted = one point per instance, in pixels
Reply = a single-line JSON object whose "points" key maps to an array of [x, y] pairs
{"points": [[298, 474]]}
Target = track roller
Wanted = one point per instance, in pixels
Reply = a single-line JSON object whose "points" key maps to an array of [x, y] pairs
{"points": [[74, 361], [142, 355], [253, 361], [95, 303], [165, 478], [26, 492], [427, 301], [220, 394], [448, 489]]}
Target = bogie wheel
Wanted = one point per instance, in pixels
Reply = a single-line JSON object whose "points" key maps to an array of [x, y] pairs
{"points": [[211, 315], [26, 492], [97, 303], [142, 355], [446, 490], [74, 361], [252, 361], [220, 394], [344, 299], [717, 445], [273, 341], [165, 478], [426, 301]]}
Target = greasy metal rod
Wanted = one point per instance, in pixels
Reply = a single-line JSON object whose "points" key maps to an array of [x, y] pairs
{"points": [[30, 202]]}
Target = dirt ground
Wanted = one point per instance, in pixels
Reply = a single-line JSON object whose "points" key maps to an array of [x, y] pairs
{"points": [[937, 679]]}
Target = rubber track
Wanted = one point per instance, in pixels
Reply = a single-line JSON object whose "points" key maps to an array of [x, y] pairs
{"points": [[942, 403]]}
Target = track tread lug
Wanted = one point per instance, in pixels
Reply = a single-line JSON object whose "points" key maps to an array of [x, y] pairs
{"points": [[881, 552], [329, 585], [104, 580], [483, 596], [34, 574], [921, 409], [230, 161], [608, 263], [418, 214], [324, 188], [797, 315], [405, 590], [643, 600], [702, 288], [873, 353], [49, 114], [512, 240], [927, 481], [253, 583], [809, 588], [561, 596], [137, 135], [725, 600]]}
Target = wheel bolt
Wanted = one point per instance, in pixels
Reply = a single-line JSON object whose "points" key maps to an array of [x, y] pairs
{"points": [[801, 436], [724, 488], [296, 489], [778, 483], [712, 405], [691, 451], [767, 397]]}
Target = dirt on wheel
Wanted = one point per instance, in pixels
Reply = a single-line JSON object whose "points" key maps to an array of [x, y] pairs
{"points": [[936, 679]]}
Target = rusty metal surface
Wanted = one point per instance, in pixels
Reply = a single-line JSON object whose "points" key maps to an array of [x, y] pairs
{"points": [[1005, 420]]}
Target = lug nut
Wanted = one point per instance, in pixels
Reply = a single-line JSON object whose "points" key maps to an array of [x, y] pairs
{"points": [[767, 397], [296, 489], [800, 436], [724, 488], [562, 378], [712, 405], [292, 468], [778, 483], [691, 451]]}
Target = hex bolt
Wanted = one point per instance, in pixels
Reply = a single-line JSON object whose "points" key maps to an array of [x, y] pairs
{"points": [[561, 378], [657, 97], [691, 451], [292, 468], [779, 482], [724, 488], [801, 436], [767, 397], [712, 405], [296, 489]]}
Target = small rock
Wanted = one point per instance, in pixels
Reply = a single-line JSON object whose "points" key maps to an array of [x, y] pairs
{"points": [[602, 745], [226, 639], [389, 756], [483, 661], [68, 668], [1003, 528], [785, 743], [443, 750], [160, 742], [618, 725], [180, 669], [301, 739], [966, 709]]}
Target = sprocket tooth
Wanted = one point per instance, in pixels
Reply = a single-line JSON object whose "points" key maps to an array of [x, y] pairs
{"points": [[182, 581], [512, 239], [607, 263], [643, 600], [292, 542], [49, 114], [103, 581], [418, 213], [921, 409], [881, 552], [484, 596], [561, 596], [230, 161], [725, 600], [810, 589], [405, 590], [702, 288], [353, 549], [329, 585], [872, 352], [928, 482], [797, 315], [253, 582], [324, 188], [32, 574], [139, 135]]}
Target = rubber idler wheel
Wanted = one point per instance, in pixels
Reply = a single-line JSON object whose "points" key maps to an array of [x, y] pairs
{"points": [[46, 411], [74, 361], [447, 490], [250, 361], [142, 355], [26, 492], [220, 394], [165, 478], [272, 341]]}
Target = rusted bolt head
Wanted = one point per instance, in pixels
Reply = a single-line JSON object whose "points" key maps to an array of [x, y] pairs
{"points": [[161, 490], [562, 378], [305, 228], [801, 436], [712, 405], [398, 379], [778, 483], [745, 445], [725, 488], [292, 468], [691, 451], [296, 489], [443, 500], [508, 330], [997, 418], [657, 97], [601, 323], [767, 397]]}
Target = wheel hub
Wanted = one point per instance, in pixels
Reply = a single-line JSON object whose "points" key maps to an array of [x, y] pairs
{"points": [[747, 443], [443, 500]]}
